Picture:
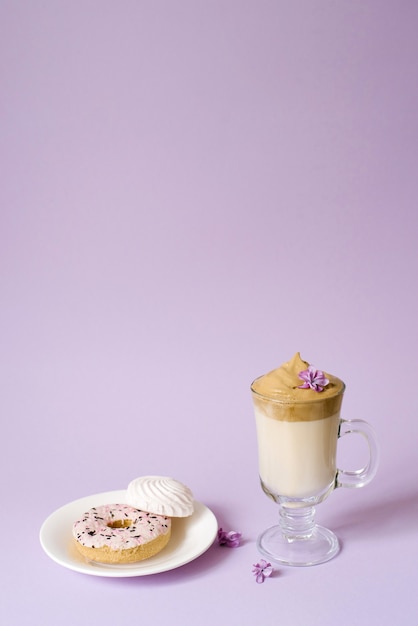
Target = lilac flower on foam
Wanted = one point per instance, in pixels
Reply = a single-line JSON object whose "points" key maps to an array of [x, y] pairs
{"points": [[231, 539], [314, 379], [262, 570]]}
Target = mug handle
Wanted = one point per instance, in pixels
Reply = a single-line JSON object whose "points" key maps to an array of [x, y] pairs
{"points": [[360, 477]]}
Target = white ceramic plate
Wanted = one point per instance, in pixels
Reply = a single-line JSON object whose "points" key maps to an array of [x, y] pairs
{"points": [[190, 537]]}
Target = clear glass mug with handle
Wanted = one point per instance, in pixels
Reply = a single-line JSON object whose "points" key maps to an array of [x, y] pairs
{"points": [[297, 451]]}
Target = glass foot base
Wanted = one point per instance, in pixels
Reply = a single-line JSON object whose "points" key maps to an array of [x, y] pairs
{"points": [[319, 546]]}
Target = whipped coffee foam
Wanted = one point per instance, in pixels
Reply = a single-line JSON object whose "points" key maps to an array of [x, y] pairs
{"points": [[279, 395]]}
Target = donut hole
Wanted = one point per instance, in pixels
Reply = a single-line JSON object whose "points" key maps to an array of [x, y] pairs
{"points": [[120, 523]]}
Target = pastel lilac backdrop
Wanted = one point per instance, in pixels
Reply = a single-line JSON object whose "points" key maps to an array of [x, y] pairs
{"points": [[191, 192]]}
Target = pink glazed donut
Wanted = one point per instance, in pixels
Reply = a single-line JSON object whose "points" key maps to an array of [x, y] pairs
{"points": [[118, 533]]}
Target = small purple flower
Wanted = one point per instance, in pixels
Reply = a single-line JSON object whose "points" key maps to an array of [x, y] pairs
{"points": [[230, 539], [262, 570], [314, 379]]}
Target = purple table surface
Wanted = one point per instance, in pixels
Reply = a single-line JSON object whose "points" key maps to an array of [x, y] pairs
{"points": [[192, 192]]}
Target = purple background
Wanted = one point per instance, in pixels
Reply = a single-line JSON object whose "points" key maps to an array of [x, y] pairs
{"points": [[191, 192]]}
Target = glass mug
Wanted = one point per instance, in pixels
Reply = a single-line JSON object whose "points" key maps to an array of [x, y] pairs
{"points": [[297, 449]]}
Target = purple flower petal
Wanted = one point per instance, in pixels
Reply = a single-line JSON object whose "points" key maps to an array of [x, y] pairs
{"points": [[268, 571], [233, 539], [314, 379], [262, 570], [230, 539]]}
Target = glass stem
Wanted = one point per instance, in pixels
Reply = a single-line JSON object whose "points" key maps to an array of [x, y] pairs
{"points": [[297, 523]]}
